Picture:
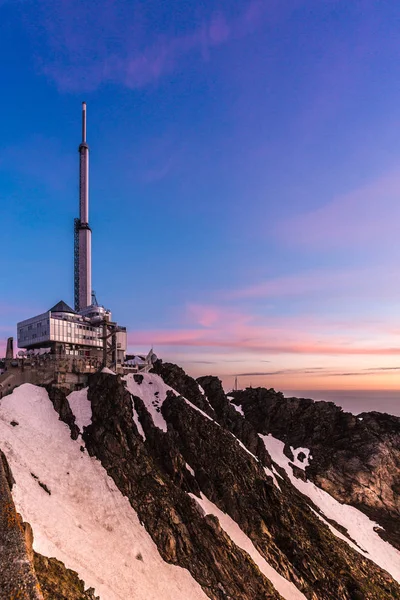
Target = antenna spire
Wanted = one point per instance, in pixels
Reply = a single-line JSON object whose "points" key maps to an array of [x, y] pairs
{"points": [[83, 122], [83, 251]]}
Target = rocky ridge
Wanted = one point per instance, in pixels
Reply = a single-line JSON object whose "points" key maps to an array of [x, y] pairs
{"points": [[209, 447], [356, 459]]}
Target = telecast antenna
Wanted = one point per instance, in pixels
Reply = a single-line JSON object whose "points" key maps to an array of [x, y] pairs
{"points": [[83, 233], [84, 122]]}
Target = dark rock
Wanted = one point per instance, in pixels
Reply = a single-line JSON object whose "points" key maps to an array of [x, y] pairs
{"points": [[7, 471], [185, 385], [44, 486], [355, 459], [60, 402], [229, 418]]}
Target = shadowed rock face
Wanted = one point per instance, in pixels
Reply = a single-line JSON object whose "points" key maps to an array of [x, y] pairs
{"points": [[176, 378], [356, 459]]}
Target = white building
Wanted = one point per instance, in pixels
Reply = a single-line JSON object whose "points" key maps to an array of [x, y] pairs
{"points": [[67, 332]]}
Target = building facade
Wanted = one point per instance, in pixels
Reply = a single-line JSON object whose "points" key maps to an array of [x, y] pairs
{"points": [[65, 332]]}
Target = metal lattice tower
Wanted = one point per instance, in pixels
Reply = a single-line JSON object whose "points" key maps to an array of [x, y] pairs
{"points": [[76, 264]]}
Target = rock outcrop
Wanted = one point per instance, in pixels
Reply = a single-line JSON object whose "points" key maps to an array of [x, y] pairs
{"points": [[356, 459], [17, 576], [59, 583]]}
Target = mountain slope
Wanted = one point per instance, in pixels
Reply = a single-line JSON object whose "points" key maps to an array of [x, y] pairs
{"points": [[166, 475]]}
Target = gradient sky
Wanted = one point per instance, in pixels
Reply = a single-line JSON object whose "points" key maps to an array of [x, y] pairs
{"points": [[245, 179]]}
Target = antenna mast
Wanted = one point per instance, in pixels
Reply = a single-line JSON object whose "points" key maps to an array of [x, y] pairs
{"points": [[83, 233]]}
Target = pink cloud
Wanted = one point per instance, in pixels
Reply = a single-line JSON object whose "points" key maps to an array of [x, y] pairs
{"points": [[374, 281], [195, 338], [366, 217], [209, 315], [296, 335], [204, 315], [120, 47]]}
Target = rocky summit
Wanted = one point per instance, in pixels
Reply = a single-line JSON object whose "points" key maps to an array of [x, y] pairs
{"points": [[155, 485]]}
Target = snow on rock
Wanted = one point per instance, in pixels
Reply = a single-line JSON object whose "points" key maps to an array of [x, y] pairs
{"points": [[285, 588], [238, 408], [81, 408], [84, 521], [358, 525], [108, 371], [199, 410], [201, 390], [301, 464], [336, 531], [153, 391], [137, 422], [189, 468]]}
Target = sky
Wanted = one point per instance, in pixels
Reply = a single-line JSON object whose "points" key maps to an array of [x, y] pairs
{"points": [[244, 180]]}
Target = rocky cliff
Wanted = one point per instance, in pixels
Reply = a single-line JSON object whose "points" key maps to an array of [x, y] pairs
{"points": [[355, 458], [159, 485]]}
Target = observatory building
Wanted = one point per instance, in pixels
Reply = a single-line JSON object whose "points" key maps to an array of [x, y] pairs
{"points": [[87, 330]]}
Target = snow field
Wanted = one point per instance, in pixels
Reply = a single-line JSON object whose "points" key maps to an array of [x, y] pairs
{"points": [[358, 525], [285, 588], [85, 522], [81, 408]]}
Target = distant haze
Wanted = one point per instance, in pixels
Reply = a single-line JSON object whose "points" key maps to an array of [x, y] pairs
{"points": [[354, 401]]}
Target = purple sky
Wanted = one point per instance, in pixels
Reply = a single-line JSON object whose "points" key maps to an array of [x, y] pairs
{"points": [[244, 179]]}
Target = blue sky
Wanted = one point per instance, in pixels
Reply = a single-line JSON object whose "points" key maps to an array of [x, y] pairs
{"points": [[244, 177]]}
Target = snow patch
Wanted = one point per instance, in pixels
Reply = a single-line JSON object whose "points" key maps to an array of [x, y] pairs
{"points": [[81, 408], [189, 468], [153, 391], [360, 528], [108, 371], [335, 531], [296, 461], [286, 588], [238, 408], [199, 410], [86, 522]]}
